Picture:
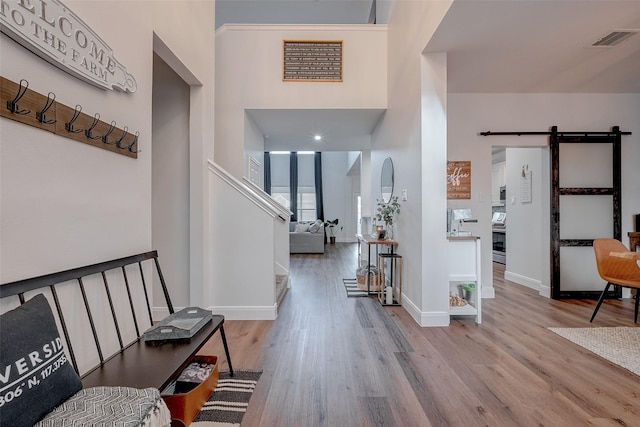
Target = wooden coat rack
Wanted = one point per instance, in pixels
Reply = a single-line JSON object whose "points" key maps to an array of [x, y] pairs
{"points": [[19, 103]]}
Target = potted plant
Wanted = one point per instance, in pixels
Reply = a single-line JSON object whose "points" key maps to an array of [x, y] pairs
{"points": [[331, 224], [466, 290], [387, 212]]}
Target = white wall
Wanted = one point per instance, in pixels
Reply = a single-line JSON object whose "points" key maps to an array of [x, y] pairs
{"points": [[242, 284], [64, 203], [470, 114], [525, 220], [337, 193], [249, 76], [413, 134]]}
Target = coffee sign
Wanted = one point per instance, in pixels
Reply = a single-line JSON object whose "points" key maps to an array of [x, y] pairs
{"points": [[459, 180], [53, 32]]}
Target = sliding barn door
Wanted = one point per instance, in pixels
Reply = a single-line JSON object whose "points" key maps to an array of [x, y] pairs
{"points": [[585, 205]]}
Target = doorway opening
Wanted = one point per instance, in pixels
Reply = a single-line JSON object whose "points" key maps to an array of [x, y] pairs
{"points": [[520, 214], [170, 177]]}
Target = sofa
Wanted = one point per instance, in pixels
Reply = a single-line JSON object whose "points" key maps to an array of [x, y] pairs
{"points": [[306, 237]]}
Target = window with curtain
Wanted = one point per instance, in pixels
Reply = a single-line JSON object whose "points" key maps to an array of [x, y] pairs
{"points": [[306, 206], [282, 196], [279, 165], [305, 181]]}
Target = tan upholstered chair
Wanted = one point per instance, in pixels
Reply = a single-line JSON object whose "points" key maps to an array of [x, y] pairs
{"points": [[616, 270]]}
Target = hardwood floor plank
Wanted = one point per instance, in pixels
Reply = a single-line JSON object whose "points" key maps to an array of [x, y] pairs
{"points": [[377, 411], [329, 360], [422, 388]]}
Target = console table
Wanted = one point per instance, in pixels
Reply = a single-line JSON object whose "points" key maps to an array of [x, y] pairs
{"points": [[373, 241]]}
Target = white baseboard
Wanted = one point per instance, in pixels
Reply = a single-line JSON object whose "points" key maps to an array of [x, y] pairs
{"points": [[523, 280], [247, 313], [545, 291], [423, 318], [488, 292]]}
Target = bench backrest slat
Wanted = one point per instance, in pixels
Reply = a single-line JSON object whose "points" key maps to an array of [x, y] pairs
{"points": [[146, 294], [133, 310], [91, 322], [113, 310], [63, 324]]}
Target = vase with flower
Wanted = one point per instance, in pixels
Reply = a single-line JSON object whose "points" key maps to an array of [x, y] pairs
{"points": [[386, 213]]}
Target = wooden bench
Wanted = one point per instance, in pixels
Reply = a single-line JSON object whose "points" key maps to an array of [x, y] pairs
{"points": [[135, 363]]}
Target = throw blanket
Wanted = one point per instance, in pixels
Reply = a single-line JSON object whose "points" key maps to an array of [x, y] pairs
{"points": [[110, 406]]}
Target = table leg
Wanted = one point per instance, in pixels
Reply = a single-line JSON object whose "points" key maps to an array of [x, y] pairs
{"points": [[226, 349], [368, 269]]}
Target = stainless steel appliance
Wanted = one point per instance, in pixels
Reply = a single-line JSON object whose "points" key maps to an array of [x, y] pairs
{"points": [[499, 241]]}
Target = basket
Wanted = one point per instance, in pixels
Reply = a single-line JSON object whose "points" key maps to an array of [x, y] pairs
{"points": [[361, 277], [185, 406]]}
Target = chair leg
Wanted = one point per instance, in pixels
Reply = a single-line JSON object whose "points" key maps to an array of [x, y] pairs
{"points": [[635, 314], [606, 288]]}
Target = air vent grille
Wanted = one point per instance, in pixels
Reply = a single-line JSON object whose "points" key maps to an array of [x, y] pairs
{"points": [[615, 37]]}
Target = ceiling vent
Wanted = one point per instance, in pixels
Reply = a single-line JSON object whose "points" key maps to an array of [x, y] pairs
{"points": [[615, 37]]}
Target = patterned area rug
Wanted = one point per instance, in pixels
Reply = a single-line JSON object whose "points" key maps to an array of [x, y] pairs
{"points": [[351, 286], [229, 401], [620, 345]]}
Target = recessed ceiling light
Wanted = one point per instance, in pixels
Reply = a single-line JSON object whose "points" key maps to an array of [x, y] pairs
{"points": [[317, 137]]}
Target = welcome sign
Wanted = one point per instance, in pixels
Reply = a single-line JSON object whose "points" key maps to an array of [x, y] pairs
{"points": [[53, 32]]}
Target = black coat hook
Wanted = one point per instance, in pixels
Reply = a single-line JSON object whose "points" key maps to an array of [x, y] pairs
{"points": [[40, 115], [118, 143], [13, 105], [89, 132], [69, 125], [135, 140], [105, 137]]}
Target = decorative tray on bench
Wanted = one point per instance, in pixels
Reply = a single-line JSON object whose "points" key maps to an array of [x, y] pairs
{"points": [[181, 325]]}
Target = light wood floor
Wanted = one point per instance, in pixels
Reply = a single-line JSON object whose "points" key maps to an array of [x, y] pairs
{"points": [[329, 360]]}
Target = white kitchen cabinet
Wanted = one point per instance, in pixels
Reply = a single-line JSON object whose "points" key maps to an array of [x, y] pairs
{"points": [[498, 179]]}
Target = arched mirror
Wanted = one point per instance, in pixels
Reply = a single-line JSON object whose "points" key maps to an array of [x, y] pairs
{"points": [[386, 182]]}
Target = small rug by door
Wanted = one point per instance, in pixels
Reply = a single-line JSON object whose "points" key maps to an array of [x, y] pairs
{"points": [[351, 286], [620, 345], [229, 401]]}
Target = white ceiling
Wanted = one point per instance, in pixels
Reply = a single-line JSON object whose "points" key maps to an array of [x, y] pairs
{"points": [[294, 130], [492, 46], [539, 46]]}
